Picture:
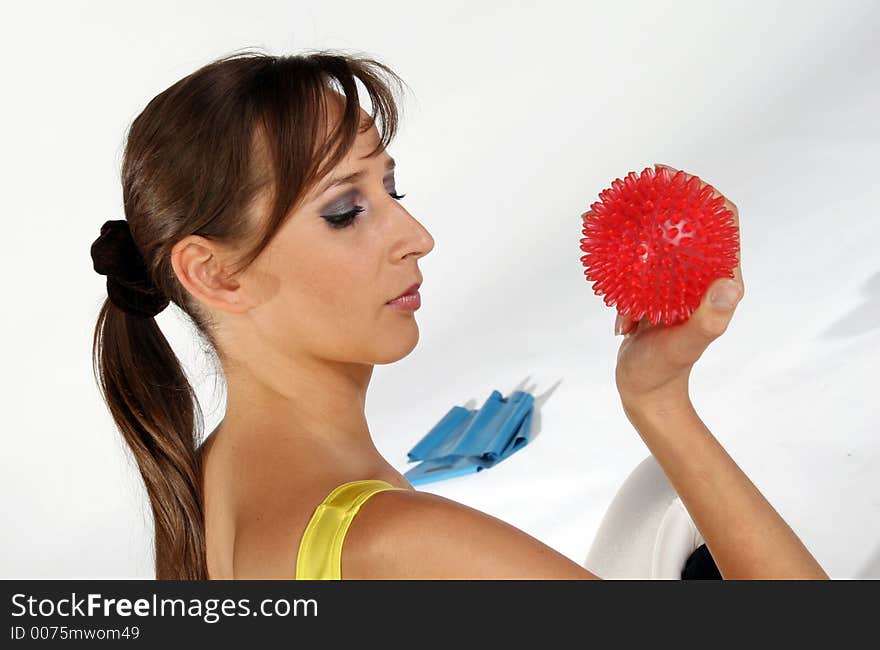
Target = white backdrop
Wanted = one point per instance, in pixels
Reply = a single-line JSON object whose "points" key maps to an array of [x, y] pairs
{"points": [[520, 114]]}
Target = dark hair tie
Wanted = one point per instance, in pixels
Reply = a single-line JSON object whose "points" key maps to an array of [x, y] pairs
{"points": [[129, 283]]}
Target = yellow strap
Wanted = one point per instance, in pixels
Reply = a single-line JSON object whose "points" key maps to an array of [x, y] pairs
{"points": [[320, 549]]}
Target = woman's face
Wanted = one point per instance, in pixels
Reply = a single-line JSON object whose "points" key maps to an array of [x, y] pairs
{"points": [[321, 286]]}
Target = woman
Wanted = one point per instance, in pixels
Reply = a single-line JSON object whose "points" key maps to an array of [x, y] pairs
{"points": [[262, 202]]}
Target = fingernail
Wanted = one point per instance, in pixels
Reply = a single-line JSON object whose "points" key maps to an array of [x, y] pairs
{"points": [[617, 327], [726, 295]]}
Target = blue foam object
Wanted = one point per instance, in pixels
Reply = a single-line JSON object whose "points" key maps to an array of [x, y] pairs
{"points": [[466, 441]]}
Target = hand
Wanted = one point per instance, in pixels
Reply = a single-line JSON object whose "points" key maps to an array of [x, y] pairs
{"points": [[654, 362]]}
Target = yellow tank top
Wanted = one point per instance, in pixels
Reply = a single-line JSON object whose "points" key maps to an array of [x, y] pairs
{"points": [[320, 549]]}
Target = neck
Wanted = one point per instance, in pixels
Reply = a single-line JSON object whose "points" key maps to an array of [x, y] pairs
{"points": [[286, 402]]}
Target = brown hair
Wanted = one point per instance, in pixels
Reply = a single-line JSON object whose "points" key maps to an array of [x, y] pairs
{"points": [[195, 158]]}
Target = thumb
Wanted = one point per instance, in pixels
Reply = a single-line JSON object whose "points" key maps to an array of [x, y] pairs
{"points": [[709, 320]]}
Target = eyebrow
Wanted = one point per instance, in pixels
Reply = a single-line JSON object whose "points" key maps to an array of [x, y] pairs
{"points": [[351, 178]]}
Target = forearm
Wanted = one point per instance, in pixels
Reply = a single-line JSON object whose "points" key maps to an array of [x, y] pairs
{"points": [[746, 536]]}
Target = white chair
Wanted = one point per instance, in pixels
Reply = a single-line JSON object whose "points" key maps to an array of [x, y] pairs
{"points": [[646, 533]]}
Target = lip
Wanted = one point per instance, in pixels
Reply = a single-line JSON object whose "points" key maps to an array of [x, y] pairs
{"points": [[409, 292], [409, 301]]}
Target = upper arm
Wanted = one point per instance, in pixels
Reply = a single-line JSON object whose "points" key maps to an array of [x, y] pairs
{"points": [[413, 535]]}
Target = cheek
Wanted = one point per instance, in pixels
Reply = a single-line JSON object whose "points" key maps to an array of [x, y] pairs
{"points": [[331, 299]]}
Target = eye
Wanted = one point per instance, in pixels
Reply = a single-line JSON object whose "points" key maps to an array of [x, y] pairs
{"points": [[343, 220], [346, 219]]}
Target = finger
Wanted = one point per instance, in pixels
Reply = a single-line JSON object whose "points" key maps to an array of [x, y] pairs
{"points": [[623, 324], [707, 323], [737, 271]]}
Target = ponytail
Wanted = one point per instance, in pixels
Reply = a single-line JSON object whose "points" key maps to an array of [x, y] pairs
{"points": [[155, 409]]}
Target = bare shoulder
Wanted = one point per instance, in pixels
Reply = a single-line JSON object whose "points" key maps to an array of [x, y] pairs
{"points": [[414, 535]]}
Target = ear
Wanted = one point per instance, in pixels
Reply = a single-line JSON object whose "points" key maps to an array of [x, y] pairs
{"points": [[201, 267]]}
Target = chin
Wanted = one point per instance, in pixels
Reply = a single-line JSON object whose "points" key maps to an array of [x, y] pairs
{"points": [[399, 347]]}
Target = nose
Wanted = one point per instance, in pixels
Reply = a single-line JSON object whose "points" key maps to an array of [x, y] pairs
{"points": [[414, 239]]}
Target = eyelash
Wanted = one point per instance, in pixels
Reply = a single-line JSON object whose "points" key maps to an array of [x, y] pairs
{"points": [[346, 219]]}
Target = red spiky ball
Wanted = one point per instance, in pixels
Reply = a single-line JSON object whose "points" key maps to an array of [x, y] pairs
{"points": [[654, 242]]}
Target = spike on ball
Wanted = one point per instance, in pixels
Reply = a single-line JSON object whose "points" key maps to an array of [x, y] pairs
{"points": [[654, 242]]}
